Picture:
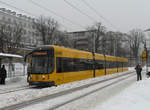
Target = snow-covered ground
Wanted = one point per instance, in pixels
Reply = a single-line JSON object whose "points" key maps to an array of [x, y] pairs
{"points": [[126, 95], [135, 97]]}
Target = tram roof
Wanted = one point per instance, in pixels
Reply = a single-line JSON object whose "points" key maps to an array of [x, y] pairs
{"points": [[7, 55]]}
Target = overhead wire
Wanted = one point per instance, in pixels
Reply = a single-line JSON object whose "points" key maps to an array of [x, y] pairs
{"points": [[18, 9], [80, 11], [64, 18], [56, 14], [98, 13], [26, 12]]}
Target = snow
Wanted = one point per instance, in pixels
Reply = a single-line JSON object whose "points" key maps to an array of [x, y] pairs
{"points": [[125, 95], [10, 55], [14, 82], [136, 97]]}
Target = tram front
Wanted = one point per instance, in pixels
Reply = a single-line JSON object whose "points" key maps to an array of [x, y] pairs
{"points": [[40, 66]]}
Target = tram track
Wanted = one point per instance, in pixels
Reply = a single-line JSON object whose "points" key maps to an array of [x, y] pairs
{"points": [[65, 92], [15, 89], [86, 94]]}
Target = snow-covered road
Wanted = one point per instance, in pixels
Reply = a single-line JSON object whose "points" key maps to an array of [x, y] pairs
{"points": [[94, 101], [83, 102]]}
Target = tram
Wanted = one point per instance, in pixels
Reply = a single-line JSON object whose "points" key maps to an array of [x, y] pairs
{"points": [[55, 65]]}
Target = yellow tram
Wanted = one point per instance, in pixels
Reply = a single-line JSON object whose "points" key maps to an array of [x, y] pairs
{"points": [[55, 65]]}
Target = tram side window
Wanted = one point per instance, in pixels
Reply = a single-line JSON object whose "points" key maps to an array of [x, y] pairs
{"points": [[59, 65], [64, 65], [89, 64], [81, 65], [71, 65], [99, 64], [113, 64], [125, 64], [110, 64], [68, 65], [107, 64], [85, 64], [76, 65], [120, 64]]}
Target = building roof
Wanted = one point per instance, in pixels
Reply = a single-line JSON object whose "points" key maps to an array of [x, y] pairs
{"points": [[147, 30]]}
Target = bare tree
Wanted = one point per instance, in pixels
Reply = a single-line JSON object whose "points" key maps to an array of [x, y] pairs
{"points": [[46, 27], [17, 34], [136, 37], [120, 47], [114, 44], [15, 38], [99, 32], [109, 41], [4, 36], [10, 37]]}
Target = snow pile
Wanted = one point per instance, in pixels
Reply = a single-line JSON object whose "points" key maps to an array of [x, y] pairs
{"points": [[131, 68], [10, 55]]}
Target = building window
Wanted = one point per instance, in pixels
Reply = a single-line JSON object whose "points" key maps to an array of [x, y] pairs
{"points": [[29, 32], [15, 21], [28, 25], [33, 26], [3, 18], [9, 20], [25, 24], [25, 32], [33, 34], [20, 23]]}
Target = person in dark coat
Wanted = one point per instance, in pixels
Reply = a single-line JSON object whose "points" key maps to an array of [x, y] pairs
{"points": [[0, 75], [3, 74], [138, 69]]}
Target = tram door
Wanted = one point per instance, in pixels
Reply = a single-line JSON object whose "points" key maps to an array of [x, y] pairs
{"points": [[59, 75]]}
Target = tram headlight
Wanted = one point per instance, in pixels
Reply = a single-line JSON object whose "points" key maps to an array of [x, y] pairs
{"points": [[43, 77]]}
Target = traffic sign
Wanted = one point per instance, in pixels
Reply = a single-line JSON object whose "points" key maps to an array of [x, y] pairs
{"points": [[144, 55]]}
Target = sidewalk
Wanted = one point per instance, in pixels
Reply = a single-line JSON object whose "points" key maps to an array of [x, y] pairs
{"points": [[14, 82]]}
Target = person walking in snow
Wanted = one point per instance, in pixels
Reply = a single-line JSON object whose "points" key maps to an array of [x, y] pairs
{"points": [[138, 69], [0, 75], [3, 74]]}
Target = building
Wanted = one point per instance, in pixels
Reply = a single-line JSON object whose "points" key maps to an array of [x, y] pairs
{"points": [[83, 40], [30, 36]]}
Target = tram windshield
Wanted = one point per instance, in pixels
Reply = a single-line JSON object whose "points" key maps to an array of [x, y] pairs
{"points": [[41, 63]]}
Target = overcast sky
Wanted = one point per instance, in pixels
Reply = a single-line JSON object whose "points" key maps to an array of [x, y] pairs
{"points": [[119, 15]]}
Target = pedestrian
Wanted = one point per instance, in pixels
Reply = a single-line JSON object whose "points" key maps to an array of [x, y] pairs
{"points": [[138, 69], [3, 74], [0, 75]]}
